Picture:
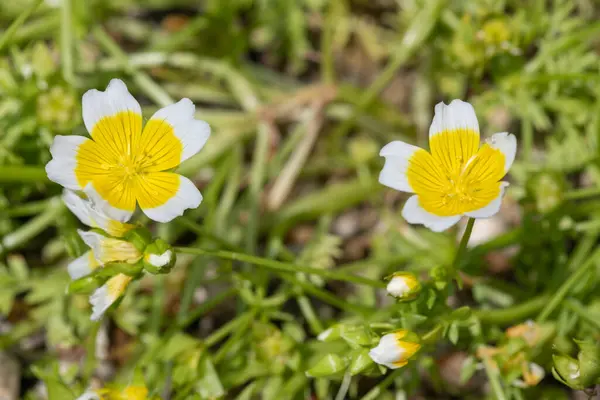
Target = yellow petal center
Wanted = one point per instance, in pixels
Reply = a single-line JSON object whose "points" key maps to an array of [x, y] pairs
{"points": [[125, 164], [456, 178]]}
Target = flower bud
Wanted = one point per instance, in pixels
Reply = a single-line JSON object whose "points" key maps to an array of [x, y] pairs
{"points": [[159, 257], [395, 349], [403, 286], [566, 370], [331, 364]]}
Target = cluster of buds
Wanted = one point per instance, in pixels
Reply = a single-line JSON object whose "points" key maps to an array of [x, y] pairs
{"points": [[119, 252], [582, 372]]}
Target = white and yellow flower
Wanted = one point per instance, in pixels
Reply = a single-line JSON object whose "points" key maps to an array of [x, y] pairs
{"points": [[457, 177], [128, 165], [395, 349], [403, 286]]}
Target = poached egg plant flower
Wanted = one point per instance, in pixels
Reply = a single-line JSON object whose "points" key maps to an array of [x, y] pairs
{"points": [[395, 349], [128, 165], [456, 177]]}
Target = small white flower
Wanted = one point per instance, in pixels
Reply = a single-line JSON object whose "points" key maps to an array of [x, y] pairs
{"points": [[456, 177], [403, 286], [128, 165], [107, 294], [395, 349]]}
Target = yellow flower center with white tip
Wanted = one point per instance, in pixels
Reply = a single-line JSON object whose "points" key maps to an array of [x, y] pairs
{"points": [[456, 177]]}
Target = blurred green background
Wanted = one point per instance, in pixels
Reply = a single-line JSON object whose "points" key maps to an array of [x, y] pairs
{"points": [[301, 95]]}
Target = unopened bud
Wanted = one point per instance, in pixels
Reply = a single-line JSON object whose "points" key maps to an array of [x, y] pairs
{"points": [[404, 286], [566, 370], [159, 257]]}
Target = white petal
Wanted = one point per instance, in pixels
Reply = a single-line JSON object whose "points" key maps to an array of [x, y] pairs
{"points": [[397, 154], [108, 249], [82, 266], [387, 351], [78, 206], [507, 144], [413, 213], [492, 208], [160, 260], [104, 208], [193, 133], [100, 301], [61, 169], [187, 196], [397, 287], [115, 99], [107, 294], [458, 114]]}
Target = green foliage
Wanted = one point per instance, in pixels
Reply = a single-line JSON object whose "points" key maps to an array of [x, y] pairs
{"points": [[243, 311]]}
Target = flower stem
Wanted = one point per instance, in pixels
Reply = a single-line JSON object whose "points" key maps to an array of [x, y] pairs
{"points": [[22, 174], [281, 266], [494, 381], [8, 34], [462, 248], [378, 390], [508, 315], [562, 292]]}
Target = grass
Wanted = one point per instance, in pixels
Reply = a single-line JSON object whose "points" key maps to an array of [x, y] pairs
{"points": [[295, 235]]}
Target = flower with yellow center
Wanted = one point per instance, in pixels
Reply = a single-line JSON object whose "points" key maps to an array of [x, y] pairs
{"points": [[395, 349], [128, 165], [457, 177]]}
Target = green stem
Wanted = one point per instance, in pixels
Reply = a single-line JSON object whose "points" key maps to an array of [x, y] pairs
{"points": [[8, 34], [431, 336], [226, 329], [205, 307], [494, 381], [281, 266], [31, 208], [589, 316], [582, 193], [66, 41], [158, 301], [462, 247], [22, 174], [508, 315], [32, 228], [327, 65], [562, 292], [90, 359], [378, 390], [145, 83]]}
